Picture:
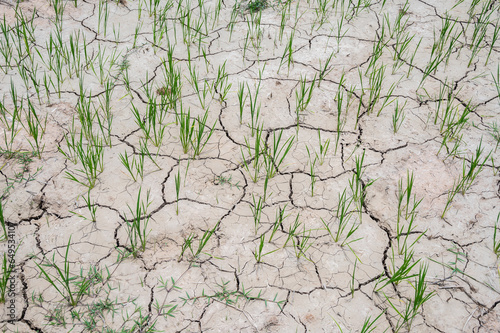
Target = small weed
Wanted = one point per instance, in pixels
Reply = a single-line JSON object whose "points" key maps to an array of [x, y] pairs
{"points": [[257, 6], [222, 180]]}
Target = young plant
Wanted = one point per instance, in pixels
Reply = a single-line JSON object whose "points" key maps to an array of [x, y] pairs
{"points": [[256, 209], [63, 281], [496, 242], [201, 136], [358, 187], [255, 155], [254, 109], [323, 69], [91, 206], [398, 117], [312, 172], [204, 240], [277, 152], [406, 211], [400, 274], [91, 157], [413, 306], [242, 99], [288, 53], [35, 128], [278, 222], [343, 215], [323, 149], [303, 95], [177, 189], [137, 226], [186, 129]]}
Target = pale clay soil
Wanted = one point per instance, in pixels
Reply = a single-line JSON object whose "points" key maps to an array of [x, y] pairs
{"points": [[328, 285]]}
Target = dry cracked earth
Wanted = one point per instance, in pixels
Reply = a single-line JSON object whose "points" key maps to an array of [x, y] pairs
{"points": [[265, 166]]}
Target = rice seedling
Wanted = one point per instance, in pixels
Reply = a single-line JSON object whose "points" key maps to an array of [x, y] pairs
{"points": [[413, 306], [255, 154], [105, 106], [352, 283], [358, 187], [202, 94], [91, 206], [277, 152], [172, 75], [443, 46], [405, 210], [400, 274], [204, 240], [387, 100], [186, 129], [341, 121], [91, 157], [377, 50], [287, 53], [312, 172], [177, 189], [470, 173], [496, 242], [322, 13], [35, 128], [242, 99], [258, 253], [401, 49], [138, 224], [254, 32], [303, 94], [256, 209], [399, 24], [254, 109], [340, 35], [494, 38], [221, 83], [71, 142], [478, 37], [65, 283], [343, 214], [292, 230], [496, 80], [494, 131], [6, 46], [324, 69], [201, 135], [15, 118], [102, 17], [278, 222], [135, 167], [187, 244], [376, 78], [323, 149], [398, 117], [302, 244]]}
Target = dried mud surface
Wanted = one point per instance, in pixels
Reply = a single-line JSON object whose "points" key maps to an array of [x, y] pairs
{"points": [[305, 281]]}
